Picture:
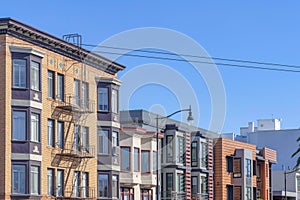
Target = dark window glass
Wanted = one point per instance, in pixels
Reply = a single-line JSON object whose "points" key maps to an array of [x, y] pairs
{"points": [[19, 125], [19, 73], [102, 185], [50, 182], [194, 153], [125, 154], [18, 179], [35, 75], [103, 99], [169, 148], [60, 87], [51, 84], [145, 161]]}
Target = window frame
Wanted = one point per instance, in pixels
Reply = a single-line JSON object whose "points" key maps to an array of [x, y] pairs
{"points": [[35, 136], [61, 185], [193, 186], [114, 101], [19, 177], [25, 125], [237, 174], [85, 138], [33, 70], [76, 99], [248, 163], [51, 82], [148, 153], [50, 188], [114, 188], [13, 74], [169, 149], [105, 140], [138, 159], [106, 99], [129, 158], [60, 87], [194, 161], [33, 176], [62, 136], [105, 184]]}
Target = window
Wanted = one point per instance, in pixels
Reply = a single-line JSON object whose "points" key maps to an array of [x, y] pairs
{"points": [[180, 156], [237, 193], [85, 95], [102, 141], [85, 139], [298, 183], [60, 87], [136, 159], [169, 184], [35, 75], [50, 182], [146, 194], [103, 99], [76, 92], [19, 73], [180, 183], [125, 161], [248, 167], [76, 138], [19, 125], [194, 153], [115, 140], [60, 134], [35, 127], [60, 183], [248, 193], [18, 179], [229, 191], [145, 161], [195, 187], [237, 168], [203, 184], [50, 132], [229, 164], [85, 184], [51, 84], [102, 185], [169, 148], [127, 193], [258, 173], [154, 162], [204, 152], [115, 186], [34, 179], [114, 101], [76, 184]]}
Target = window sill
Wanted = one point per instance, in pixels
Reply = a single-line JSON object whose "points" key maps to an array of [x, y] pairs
{"points": [[19, 141], [16, 88], [103, 111]]}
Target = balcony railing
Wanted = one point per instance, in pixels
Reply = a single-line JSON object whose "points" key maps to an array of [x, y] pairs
{"points": [[172, 195], [75, 192], [199, 196]]}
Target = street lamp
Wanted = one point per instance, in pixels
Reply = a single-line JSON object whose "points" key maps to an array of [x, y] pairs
{"points": [[190, 118]]}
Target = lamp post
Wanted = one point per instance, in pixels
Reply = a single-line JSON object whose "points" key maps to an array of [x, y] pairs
{"points": [[189, 119]]}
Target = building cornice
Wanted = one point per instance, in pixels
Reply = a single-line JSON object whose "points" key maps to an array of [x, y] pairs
{"points": [[34, 36]]}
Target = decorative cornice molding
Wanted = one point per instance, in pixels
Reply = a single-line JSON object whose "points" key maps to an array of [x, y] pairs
{"points": [[28, 50]]}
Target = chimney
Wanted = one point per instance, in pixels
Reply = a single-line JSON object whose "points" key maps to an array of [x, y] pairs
{"points": [[250, 127]]}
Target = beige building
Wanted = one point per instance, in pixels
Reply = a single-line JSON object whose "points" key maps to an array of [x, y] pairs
{"points": [[138, 163], [50, 107]]}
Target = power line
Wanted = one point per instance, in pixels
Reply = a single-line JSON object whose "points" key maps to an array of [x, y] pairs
{"points": [[195, 61], [195, 56], [202, 62]]}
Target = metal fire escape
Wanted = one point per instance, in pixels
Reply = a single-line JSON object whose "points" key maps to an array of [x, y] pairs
{"points": [[71, 152]]}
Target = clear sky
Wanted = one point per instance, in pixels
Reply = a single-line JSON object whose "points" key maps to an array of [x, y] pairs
{"points": [[261, 31]]}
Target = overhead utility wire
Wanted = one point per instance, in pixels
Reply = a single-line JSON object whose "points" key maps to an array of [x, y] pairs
{"points": [[194, 56], [197, 61]]}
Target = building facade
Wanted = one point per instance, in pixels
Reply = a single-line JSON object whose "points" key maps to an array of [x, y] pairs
{"points": [[241, 172], [138, 163], [186, 156], [56, 100]]}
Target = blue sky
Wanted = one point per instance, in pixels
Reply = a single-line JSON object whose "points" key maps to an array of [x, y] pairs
{"points": [[256, 30]]}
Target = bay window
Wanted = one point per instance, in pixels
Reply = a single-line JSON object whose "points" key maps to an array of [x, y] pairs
{"points": [[34, 179], [19, 125], [102, 98], [35, 127], [35, 75], [145, 161], [18, 179], [125, 158], [102, 185], [102, 141]]}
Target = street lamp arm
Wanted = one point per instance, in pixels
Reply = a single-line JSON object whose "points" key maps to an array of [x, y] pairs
{"points": [[179, 111]]}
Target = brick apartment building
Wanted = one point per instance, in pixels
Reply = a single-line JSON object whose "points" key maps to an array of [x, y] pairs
{"points": [[241, 172], [57, 101]]}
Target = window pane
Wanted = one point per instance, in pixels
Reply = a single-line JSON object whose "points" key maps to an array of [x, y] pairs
{"points": [[60, 87], [204, 151], [114, 101], [85, 139], [125, 153], [115, 192], [180, 156], [248, 168], [85, 184], [51, 84], [85, 94], [103, 99], [60, 134], [19, 73], [203, 184], [194, 154], [35, 129], [18, 179], [76, 138], [115, 141], [103, 141], [169, 148], [34, 180], [60, 183], [102, 185], [76, 92], [35, 75], [169, 184], [145, 161], [195, 187], [181, 184], [136, 159], [19, 125], [50, 181], [51, 132], [76, 184]]}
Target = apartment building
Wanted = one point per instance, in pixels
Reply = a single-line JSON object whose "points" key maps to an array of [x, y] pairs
{"points": [[186, 156], [241, 172], [59, 106], [138, 163]]}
